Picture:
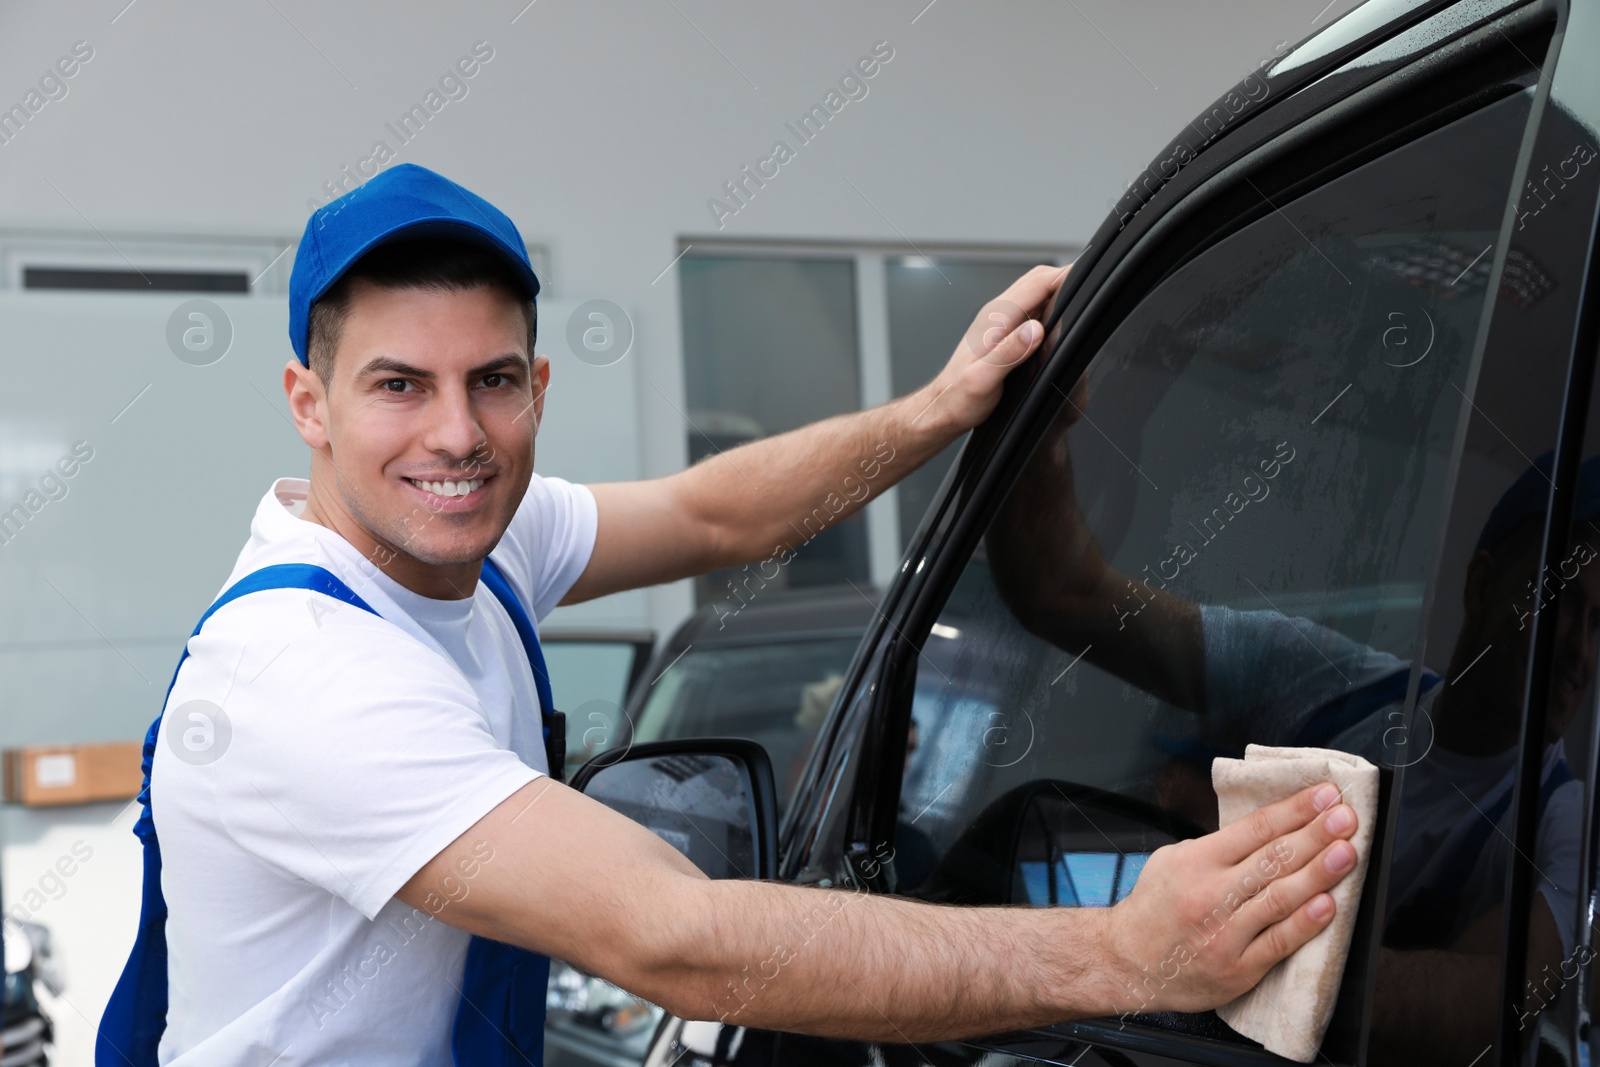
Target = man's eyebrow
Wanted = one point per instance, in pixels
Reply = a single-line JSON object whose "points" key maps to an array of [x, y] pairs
{"points": [[390, 365]]}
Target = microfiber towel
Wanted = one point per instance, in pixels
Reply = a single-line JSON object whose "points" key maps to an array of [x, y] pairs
{"points": [[1289, 1009]]}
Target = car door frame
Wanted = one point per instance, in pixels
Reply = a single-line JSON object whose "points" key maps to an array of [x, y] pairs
{"points": [[1290, 114], [1301, 104]]}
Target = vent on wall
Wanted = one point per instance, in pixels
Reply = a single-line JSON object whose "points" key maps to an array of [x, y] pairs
{"points": [[138, 281], [146, 263], [140, 263]]}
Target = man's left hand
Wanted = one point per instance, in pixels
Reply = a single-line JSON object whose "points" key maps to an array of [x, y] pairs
{"points": [[1004, 334]]}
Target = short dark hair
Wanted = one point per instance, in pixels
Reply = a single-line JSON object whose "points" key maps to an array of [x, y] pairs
{"points": [[438, 263]]}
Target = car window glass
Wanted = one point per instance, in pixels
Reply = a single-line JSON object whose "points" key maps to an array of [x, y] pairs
{"points": [[1224, 538], [1475, 838], [1443, 982]]}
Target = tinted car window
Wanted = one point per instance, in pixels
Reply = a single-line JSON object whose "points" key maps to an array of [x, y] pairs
{"points": [[1225, 537], [1489, 859]]}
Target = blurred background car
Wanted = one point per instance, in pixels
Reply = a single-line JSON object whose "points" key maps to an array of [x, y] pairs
{"points": [[26, 1034], [767, 669]]}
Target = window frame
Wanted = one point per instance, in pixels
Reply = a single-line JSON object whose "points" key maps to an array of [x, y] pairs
{"points": [[1327, 118], [1578, 38]]}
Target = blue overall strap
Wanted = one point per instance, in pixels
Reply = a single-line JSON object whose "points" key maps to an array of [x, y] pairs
{"points": [[500, 1019], [136, 1015], [495, 579]]}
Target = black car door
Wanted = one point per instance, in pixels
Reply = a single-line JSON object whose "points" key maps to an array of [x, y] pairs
{"points": [[1308, 439]]}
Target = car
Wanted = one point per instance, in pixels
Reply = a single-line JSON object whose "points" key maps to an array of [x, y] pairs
{"points": [[1302, 461], [765, 669], [26, 1032]]}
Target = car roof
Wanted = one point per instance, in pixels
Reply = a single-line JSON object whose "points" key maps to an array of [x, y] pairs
{"points": [[1288, 69], [831, 611]]}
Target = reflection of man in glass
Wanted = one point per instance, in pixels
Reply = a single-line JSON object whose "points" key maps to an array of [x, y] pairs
{"points": [[1264, 677]]}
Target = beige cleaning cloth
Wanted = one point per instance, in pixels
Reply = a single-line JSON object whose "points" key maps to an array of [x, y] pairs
{"points": [[1289, 1009]]}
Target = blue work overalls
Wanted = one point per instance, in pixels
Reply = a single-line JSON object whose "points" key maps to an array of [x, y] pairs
{"points": [[500, 1017]]}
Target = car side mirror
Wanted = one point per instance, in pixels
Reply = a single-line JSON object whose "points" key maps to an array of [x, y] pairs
{"points": [[713, 799]]}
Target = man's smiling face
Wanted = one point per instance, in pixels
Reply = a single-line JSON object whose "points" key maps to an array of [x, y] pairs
{"points": [[423, 439]]}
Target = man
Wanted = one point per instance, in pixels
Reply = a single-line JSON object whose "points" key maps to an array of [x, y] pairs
{"points": [[383, 796], [1268, 678]]}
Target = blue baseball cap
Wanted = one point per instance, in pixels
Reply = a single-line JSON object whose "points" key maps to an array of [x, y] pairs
{"points": [[1529, 496], [405, 200]]}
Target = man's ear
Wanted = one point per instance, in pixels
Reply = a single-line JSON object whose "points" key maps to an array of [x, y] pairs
{"points": [[307, 403], [541, 383]]}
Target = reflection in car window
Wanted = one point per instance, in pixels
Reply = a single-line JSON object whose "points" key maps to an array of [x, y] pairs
{"points": [[1439, 971], [1223, 538], [775, 694]]}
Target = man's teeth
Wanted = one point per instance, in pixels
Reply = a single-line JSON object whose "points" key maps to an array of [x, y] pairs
{"points": [[449, 488]]}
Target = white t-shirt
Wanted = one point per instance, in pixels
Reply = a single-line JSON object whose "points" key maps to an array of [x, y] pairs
{"points": [[351, 749]]}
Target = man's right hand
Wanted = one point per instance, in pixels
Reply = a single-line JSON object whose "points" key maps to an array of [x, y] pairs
{"points": [[1210, 916]]}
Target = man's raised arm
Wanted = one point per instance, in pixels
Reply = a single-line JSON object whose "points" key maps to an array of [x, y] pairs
{"points": [[555, 872], [764, 499]]}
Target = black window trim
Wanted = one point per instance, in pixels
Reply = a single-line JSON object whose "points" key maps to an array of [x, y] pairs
{"points": [[1541, 664], [1571, 435]]}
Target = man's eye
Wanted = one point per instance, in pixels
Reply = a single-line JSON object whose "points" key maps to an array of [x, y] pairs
{"points": [[494, 381], [393, 385]]}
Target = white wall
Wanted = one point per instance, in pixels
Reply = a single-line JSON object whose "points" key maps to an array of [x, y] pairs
{"points": [[602, 128], [106, 580]]}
